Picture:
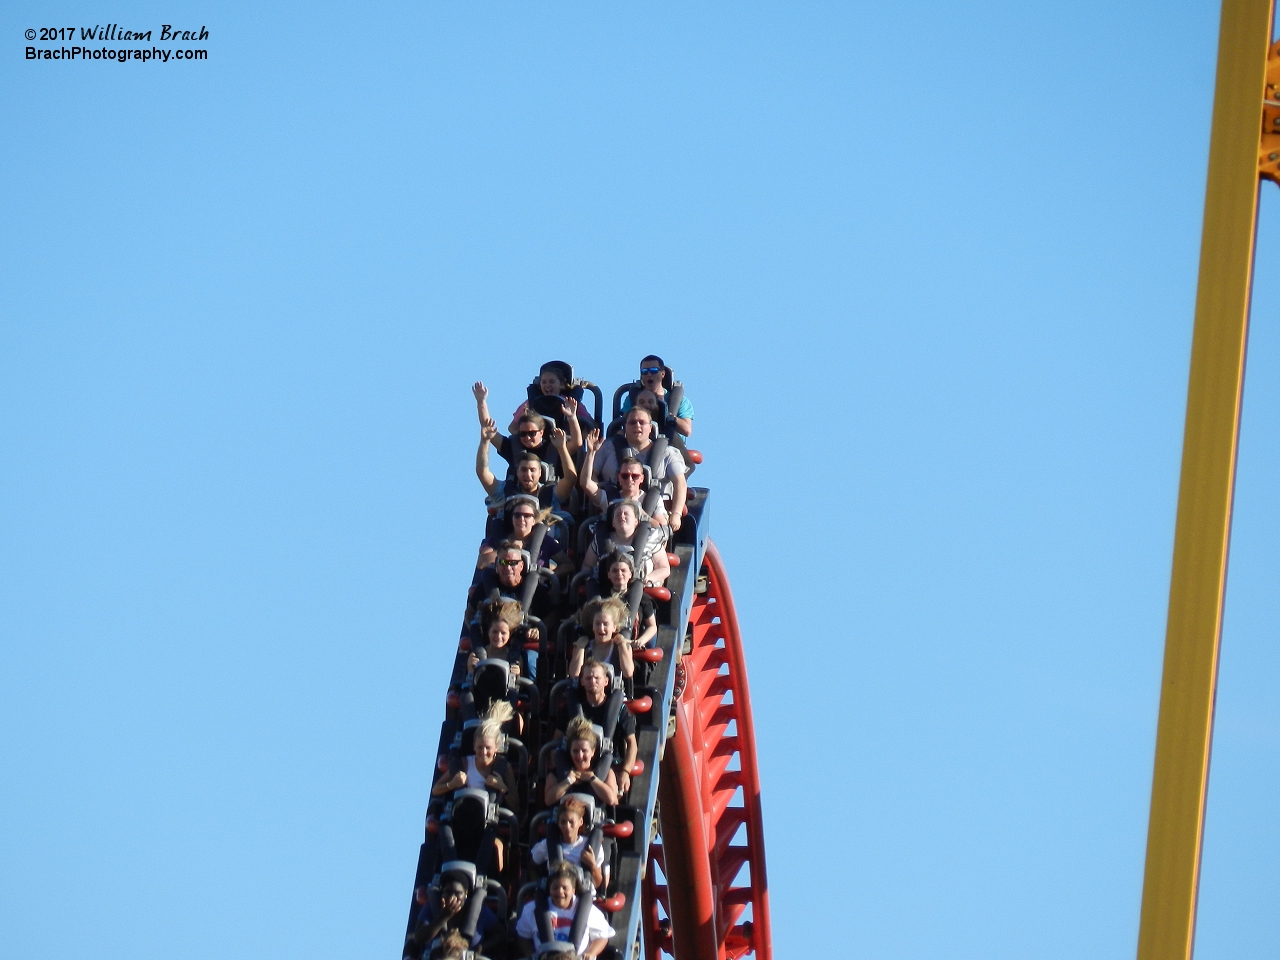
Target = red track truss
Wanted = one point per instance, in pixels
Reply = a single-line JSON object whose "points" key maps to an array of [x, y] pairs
{"points": [[711, 851]]}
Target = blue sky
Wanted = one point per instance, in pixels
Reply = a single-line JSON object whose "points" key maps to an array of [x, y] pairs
{"points": [[928, 272]]}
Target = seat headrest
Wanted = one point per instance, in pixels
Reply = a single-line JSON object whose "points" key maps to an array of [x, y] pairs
{"points": [[587, 800], [493, 663], [471, 793], [561, 368], [463, 870]]}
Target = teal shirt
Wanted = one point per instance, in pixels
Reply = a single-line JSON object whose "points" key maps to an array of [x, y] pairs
{"points": [[685, 411]]}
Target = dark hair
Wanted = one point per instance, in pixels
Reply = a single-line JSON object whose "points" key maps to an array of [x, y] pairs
{"points": [[529, 455], [505, 545], [654, 356], [561, 370], [503, 609], [564, 870], [602, 580], [531, 416]]}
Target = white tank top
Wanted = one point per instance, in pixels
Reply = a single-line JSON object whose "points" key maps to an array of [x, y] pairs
{"points": [[475, 778]]}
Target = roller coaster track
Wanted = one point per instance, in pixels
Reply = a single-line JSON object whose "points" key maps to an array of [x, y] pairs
{"points": [[710, 797], [692, 874]]}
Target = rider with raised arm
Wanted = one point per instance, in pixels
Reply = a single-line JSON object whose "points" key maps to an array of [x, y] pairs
{"points": [[527, 470], [667, 469], [628, 482]]}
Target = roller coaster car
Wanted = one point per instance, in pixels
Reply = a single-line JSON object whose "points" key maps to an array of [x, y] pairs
{"points": [[596, 533], [552, 406], [544, 826], [544, 915], [493, 680], [497, 527], [475, 636], [664, 422], [468, 828], [554, 758], [511, 749], [668, 405], [481, 892]]}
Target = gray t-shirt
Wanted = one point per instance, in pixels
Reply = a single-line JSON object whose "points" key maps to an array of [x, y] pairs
{"points": [[671, 465]]}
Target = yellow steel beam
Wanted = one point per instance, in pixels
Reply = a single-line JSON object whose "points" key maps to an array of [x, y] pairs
{"points": [[1204, 498]]}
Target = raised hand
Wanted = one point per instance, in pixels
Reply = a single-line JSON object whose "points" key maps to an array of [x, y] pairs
{"points": [[488, 429], [571, 406], [479, 391], [558, 439], [595, 440]]}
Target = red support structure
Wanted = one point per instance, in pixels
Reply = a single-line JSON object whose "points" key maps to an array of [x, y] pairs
{"points": [[709, 796]]}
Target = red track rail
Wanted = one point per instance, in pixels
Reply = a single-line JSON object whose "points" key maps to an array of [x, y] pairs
{"points": [[702, 812]]}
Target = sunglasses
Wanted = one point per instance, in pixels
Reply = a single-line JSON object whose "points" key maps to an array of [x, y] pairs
{"points": [[529, 433], [510, 563], [631, 476], [522, 516], [645, 370]]}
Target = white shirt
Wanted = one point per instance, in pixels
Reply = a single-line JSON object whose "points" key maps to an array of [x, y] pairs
{"points": [[561, 923], [571, 852]]}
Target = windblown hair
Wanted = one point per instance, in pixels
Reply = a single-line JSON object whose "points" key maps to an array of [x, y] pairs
{"points": [[580, 729], [454, 945], [614, 607], [490, 728], [506, 610]]}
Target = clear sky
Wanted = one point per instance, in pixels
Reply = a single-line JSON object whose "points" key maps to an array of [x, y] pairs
{"points": [[928, 272]]}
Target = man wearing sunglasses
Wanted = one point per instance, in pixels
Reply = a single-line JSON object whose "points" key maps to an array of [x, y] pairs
{"points": [[506, 579], [628, 482], [531, 434], [656, 377], [526, 471]]}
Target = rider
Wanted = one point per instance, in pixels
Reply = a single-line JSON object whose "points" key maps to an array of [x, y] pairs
{"points": [[591, 699], [562, 887], [637, 441], [655, 376], [628, 482]]}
